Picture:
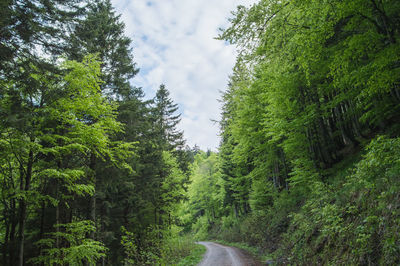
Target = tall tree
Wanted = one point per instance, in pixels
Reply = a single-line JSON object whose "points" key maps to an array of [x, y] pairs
{"points": [[166, 121], [101, 31], [115, 202], [41, 150]]}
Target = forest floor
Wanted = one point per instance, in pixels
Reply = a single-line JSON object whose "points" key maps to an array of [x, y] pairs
{"points": [[218, 254]]}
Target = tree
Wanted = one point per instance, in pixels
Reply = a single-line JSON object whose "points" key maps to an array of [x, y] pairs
{"points": [[59, 128], [313, 82], [165, 121], [205, 196], [102, 32], [116, 202]]}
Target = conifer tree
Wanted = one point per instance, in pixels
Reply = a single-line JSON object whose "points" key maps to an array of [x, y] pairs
{"points": [[117, 201], [166, 121], [101, 31]]}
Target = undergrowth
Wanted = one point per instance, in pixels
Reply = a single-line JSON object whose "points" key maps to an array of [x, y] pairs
{"points": [[195, 256], [350, 217], [172, 249], [355, 221]]}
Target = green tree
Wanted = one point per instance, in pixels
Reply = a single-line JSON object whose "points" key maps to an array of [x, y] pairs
{"points": [[58, 129], [166, 121], [101, 31], [117, 201], [205, 194]]}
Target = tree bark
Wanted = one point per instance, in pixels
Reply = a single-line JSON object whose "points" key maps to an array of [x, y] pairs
{"points": [[23, 208], [6, 237], [12, 244], [92, 166]]}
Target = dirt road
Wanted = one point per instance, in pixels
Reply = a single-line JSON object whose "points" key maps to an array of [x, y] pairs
{"points": [[219, 255]]}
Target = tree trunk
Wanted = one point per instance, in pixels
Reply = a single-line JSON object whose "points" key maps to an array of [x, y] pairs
{"points": [[6, 236], [285, 168], [12, 245], [22, 208], [340, 122], [277, 182], [92, 166], [236, 210], [41, 232], [155, 215], [58, 222], [21, 233]]}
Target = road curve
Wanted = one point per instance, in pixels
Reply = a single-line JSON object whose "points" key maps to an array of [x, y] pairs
{"points": [[219, 255]]}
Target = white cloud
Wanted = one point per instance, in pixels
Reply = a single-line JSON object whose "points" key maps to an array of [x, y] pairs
{"points": [[174, 44]]}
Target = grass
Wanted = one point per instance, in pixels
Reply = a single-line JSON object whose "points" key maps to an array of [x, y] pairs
{"points": [[181, 251], [196, 255]]}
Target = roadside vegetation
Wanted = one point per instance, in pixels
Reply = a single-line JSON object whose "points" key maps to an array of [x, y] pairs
{"points": [[307, 171], [167, 247], [308, 168], [91, 171]]}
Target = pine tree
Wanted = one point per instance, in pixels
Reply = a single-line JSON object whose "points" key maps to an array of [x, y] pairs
{"points": [[116, 202], [166, 121], [101, 31], [30, 26]]}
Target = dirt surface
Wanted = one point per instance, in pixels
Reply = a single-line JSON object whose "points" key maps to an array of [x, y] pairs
{"points": [[219, 255]]}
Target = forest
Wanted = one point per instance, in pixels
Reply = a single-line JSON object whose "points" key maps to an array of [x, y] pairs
{"points": [[307, 172]]}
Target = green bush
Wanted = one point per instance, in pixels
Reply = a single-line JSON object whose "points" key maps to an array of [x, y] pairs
{"points": [[161, 247], [69, 245], [150, 246], [353, 222], [201, 228]]}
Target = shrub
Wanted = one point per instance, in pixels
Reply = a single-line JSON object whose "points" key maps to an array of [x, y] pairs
{"points": [[353, 222]]}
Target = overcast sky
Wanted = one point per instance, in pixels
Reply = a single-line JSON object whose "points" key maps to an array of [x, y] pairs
{"points": [[173, 44]]}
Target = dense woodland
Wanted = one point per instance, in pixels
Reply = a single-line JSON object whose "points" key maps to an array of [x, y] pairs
{"points": [[90, 171], [308, 169], [94, 173]]}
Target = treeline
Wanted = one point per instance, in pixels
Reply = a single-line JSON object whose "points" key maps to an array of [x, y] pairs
{"points": [[90, 171], [297, 173]]}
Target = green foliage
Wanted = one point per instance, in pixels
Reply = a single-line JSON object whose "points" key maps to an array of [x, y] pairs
{"points": [[148, 252], [351, 221], [128, 243], [178, 249], [78, 142], [101, 32], [355, 221], [313, 84], [205, 194], [172, 189], [201, 228], [196, 255], [77, 248], [172, 249], [70, 121]]}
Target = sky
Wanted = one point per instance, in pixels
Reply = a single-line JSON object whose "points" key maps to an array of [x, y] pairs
{"points": [[173, 44]]}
